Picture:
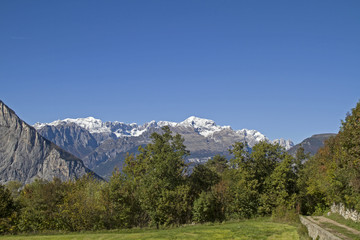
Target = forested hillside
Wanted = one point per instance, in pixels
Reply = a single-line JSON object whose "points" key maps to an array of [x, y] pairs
{"points": [[333, 174]]}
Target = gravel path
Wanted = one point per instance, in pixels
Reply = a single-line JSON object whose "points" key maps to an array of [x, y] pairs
{"points": [[321, 219]]}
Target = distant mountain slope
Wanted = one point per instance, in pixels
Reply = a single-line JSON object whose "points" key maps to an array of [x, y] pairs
{"points": [[71, 137], [25, 155], [312, 144], [203, 139]]}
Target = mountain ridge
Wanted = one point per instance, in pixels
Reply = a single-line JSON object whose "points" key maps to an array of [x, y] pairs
{"points": [[204, 127], [311, 144]]}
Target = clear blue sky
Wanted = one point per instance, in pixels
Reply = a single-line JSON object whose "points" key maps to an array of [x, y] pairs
{"points": [[286, 68]]}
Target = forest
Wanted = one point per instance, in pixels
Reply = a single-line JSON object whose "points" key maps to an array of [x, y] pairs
{"points": [[157, 188]]}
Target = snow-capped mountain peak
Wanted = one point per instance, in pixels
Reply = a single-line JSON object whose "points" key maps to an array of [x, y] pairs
{"points": [[198, 122], [204, 127]]}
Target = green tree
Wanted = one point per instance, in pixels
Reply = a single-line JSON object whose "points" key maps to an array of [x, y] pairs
{"points": [[7, 204], [8, 208], [82, 207], [218, 164], [15, 188], [202, 179], [333, 174], [212, 205], [349, 140], [300, 158], [261, 179], [122, 205], [265, 158], [244, 193], [211, 190], [280, 187], [206, 207], [159, 172], [241, 153], [40, 201]]}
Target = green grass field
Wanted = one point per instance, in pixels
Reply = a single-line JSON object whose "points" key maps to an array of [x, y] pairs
{"points": [[251, 229]]}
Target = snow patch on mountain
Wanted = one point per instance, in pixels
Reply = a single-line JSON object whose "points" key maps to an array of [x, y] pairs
{"points": [[91, 124], [139, 130], [252, 133], [167, 123]]}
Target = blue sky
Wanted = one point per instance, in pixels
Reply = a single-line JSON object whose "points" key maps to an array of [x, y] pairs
{"points": [[286, 68]]}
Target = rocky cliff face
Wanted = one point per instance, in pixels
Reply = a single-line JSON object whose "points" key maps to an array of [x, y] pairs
{"points": [[103, 145], [25, 155]]}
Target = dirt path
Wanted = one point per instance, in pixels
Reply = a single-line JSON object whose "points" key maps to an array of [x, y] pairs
{"points": [[320, 219]]}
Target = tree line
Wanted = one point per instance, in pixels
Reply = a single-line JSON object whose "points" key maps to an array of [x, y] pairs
{"points": [[156, 187]]}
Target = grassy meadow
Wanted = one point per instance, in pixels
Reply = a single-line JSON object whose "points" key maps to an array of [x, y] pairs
{"points": [[250, 229]]}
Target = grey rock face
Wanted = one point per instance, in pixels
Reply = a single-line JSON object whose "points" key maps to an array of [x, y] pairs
{"points": [[312, 144], [25, 155]]}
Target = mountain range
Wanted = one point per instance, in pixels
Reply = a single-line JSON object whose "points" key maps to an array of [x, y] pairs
{"points": [[69, 148], [103, 145], [25, 155]]}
